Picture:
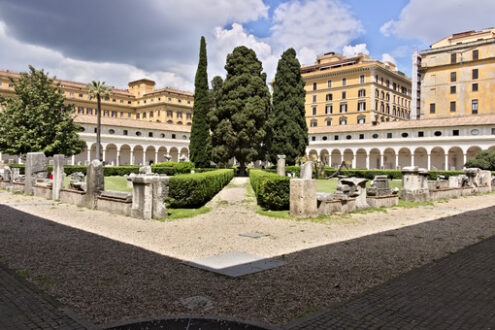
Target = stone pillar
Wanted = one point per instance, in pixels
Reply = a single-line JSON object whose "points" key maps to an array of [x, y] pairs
{"points": [[446, 167], [303, 203], [329, 158], [117, 161], [160, 195], [89, 156], [142, 197], [281, 165], [428, 167], [156, 157], [95, 183], [132, 157], [144, 157], [104, 154], [73, 160], [412, 159], [306, 171], [354, 160], [396, 160], [414, 185], [35, 169], [382, 160], [58, 176], [368, 161]]}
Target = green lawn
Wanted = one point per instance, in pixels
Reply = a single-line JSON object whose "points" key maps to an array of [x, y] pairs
{"points": [[330, 185]]}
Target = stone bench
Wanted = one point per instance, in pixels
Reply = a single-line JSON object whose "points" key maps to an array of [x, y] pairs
{"points": [[71, 196]]}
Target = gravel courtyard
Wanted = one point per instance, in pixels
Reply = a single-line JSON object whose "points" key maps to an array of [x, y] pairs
{"points": [[111, 268]]}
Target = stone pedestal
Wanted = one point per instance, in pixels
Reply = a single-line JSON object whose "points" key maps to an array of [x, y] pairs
{"points": [[160, 195], [35, 169], [414, 185], [95, 183], [58, 176], [307, 171], [281, 165], [379, 186], [149, 193], [303, 198]]}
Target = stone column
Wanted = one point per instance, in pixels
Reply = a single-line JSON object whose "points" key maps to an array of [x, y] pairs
{"points": [[89, 155], [95, 183], [464, 158], [428, 167], [156, 157], [117, 161], [35, 168], [132, 157], [368, 161], [382, 160], [329, 158], [73, 160], [354, 160], [446, 167], [306, 171], [412, 159], [58, 176], [303, 203], [281, 165], [104, 154], [396, 160]]}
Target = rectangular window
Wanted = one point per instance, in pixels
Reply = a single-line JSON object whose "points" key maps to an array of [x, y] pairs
{"points": [[173, 136], [128, 115], [455, 132], [150, 134], [114, 100], [329, 122], [314, 98], [343, 107], [89, 111], [169, 114], [389, 135], [105, 113], [361, 136], [432, 107], [361, 106], [475, 55], [329, 84], [80, 110], [328, 109], [314, 86], [344, 94], [114, 114], [122, 101], [152, 114], [313, 123], [475, 74], [121, 114], [96, 130], [179, 114], [344, 81], [336, 137], [129, 102], [475, 107], [71, 94], [475, 87], [452, 89], [314, 111], [188, 115], [144, 115], [421, 134], [453, 58], [493, 131], [452, 106], [453, 76], [361, 79], [138, 115], [125, 132]]}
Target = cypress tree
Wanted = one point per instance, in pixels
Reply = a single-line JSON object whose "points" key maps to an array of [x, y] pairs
{"points": [[289, 131], [200, 134], [239, 121]]}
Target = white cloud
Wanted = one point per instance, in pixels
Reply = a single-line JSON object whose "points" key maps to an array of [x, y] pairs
{"points": [[314, 27], [386, 57], [350, 51], [430, 21]]}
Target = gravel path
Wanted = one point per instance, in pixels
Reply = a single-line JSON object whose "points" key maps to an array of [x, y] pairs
{"points": [[110, 268]]}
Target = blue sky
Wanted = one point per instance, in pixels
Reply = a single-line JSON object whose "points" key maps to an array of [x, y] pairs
{"points": [[118, 42]]}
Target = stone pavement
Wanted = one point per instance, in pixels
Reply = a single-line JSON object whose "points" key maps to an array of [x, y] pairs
{"points": [[455, 292], [22, 306]]}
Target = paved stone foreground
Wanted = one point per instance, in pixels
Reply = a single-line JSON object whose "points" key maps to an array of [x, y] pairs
{"points": [[455, 292], [22, 306]]}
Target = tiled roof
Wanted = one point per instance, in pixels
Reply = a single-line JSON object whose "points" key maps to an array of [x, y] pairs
{"points": [[471, 120], [169, 90], [84, 119]]}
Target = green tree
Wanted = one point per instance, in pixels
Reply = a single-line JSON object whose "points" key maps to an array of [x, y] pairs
{"points": [[238, 122], [288, 130], [484, 159], [98, 90], [36, 119], [215, 91], [200, 131]]}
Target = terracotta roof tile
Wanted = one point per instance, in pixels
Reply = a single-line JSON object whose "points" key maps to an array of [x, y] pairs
{"points": [[84, 119]]}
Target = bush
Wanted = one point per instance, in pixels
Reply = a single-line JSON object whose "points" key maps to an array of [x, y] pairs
{"points": [[272, 190], [194, 190], [180, 167], [484, 159]]}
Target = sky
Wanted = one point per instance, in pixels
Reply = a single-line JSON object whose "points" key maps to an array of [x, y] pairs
{"points": [[118, 41]]}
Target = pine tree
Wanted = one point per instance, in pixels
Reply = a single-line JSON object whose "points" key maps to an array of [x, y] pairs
{"points": [[200, 134], [36, 119], [289, 132], [238, 122]]}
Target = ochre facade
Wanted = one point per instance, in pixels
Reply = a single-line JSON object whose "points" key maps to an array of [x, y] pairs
{"points": [[141, 101], [457, 75], [357, 90]]}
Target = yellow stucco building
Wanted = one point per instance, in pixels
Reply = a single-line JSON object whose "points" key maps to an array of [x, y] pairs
{"points": [[356, 90], [141, 101], [455, 77]]}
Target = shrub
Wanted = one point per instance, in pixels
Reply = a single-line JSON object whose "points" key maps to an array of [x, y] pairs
{"points": [[272, 190], [180, 167], [484, 159], [194, 190]]}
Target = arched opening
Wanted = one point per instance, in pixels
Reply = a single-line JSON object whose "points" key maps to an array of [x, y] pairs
{"points": [[110, 154], [138, 155], [325, 157], [174, 154], [472, 152], [375, 159], [421, 158], [348, 157], [456, 159], [150, 155], [312, 155], [437, 159], [184, 154], [336, 158], [389, 159], [93, 151], [361, 158], [82, 157], [404, 157], [162, 154], [125, 155]]}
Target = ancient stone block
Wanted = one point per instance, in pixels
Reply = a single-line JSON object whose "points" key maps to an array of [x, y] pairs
{"points": [[95, 183], [281, 165], [303, 198], [354, 187], [35, 168], [307, 171], [58, 176], [379, 186], [414, 184]]}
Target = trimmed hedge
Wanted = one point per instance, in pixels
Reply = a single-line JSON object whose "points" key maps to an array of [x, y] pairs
{"points": [[179, 167], [194, 190], [272, 190]]}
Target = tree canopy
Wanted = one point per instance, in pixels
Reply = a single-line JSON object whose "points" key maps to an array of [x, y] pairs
{"points": [[484, 159], [238, 122], [287, 121], [200, 131], [36, 119]]}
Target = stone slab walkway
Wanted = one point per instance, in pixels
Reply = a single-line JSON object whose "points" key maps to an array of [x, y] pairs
{"points": [[455, 292], [22, 306]]}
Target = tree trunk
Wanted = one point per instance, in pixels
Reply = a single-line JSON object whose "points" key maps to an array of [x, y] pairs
{"points": [[242, 169], [98, 129]]}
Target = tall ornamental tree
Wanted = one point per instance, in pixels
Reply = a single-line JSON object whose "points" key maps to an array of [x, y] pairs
{"points": [[289, 132], [98, 90], [238, 122], [200, 131], [36, 119]]}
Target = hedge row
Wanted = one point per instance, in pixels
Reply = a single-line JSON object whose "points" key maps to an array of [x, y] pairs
{"points": [[272, 190], [194, 190], [391, 174]]}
